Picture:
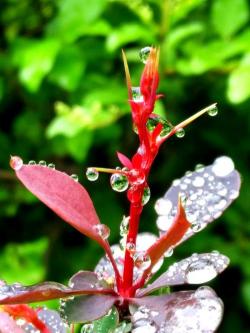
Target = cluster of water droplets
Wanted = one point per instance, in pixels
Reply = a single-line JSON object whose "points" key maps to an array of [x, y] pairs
{"points": [[201, 312], [8, 290], [205, 193], [52, 320]]}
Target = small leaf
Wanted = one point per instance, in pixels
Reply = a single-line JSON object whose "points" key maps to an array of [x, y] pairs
{"points": [[84, 309], [199, 268], [184, 311], [108, 323], [125, 160], [66, 197]]}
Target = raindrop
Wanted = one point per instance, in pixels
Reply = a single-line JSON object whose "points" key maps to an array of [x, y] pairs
{"points": [[213, 111], [136, 94], [142, 260], [87, 328], [163, 206], [223, 166], [119, 182], [233, 194], [74, 177], [144, 54], [42, 163], [92, 174], [199, 167], [146, 195], [124, 226], [131, 247], [154, 120], [102, 230], [200, 271], [32, 162], [198, 181], [169, 252], [16, 163], [51, 166], [180, 133]]}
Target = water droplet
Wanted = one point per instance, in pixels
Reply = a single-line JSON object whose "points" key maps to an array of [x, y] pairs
{"points": [[75, 177], [87, 328], [180, 133], [233, 194], [136, 94], [51, 166], [213, 111], [119, 182], [131, 248], [124, 226], [198, 181], [32, 162], [169, 252], [199, 167], [146, 195], [122, 243], [42, 163], [102, 230], [223, 166], [16, 163], [144, 54], [142, 260], [163, 206], [92, 174], [200, 271]]}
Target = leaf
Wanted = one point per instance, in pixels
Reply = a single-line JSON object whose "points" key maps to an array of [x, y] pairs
{"points": [[238, 89], [199, 268], [66, 197], [125, 161], [184, 311], [108, 323], [84, 309], [73, 17], [207, 192], [18, 294], [8, 324], [228, 17], [34, 60]]}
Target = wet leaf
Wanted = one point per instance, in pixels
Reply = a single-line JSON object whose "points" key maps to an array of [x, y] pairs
{"points": [[107, 323]]}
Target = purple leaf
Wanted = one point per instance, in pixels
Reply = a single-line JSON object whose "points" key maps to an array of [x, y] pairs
{"points": [[18, 294], [197, 311], [84, 309], [199, 268], [8, 324], [207, 192], [66, 197]]}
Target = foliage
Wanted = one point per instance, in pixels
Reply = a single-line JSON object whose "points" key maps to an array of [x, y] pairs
{"points": [[49, 62]]}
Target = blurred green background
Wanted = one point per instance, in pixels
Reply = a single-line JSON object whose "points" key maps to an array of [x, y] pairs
{"points": [[63, 100]]}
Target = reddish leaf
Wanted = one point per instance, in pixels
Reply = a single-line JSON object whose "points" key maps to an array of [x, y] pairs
{"points": [[87, 308], [66, 197], [45, 291], [125, 161], [197, 269], [184, 311]]}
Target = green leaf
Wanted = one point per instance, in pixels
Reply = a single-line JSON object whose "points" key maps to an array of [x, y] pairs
{"points": [[68, 68], [239, 82], [74, 16], [23, 262], [34, 59], [229, 16], [108, 323]]}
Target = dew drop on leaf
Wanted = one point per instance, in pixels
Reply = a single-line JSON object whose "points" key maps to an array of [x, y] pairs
{"points": [[180, 133], [136, 94], [92, 174], [142, 260], [16, 163], [32, 162], [223, 166], [51, 166], [144, 54], [102, 230], [146, 195], [119, 182], [42, 163], [74, 177], [200, 271]]}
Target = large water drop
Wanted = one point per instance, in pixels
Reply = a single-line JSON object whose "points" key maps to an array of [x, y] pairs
{"points": [[144, 54], [16, 163], [92, 174], [119, 182]]}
